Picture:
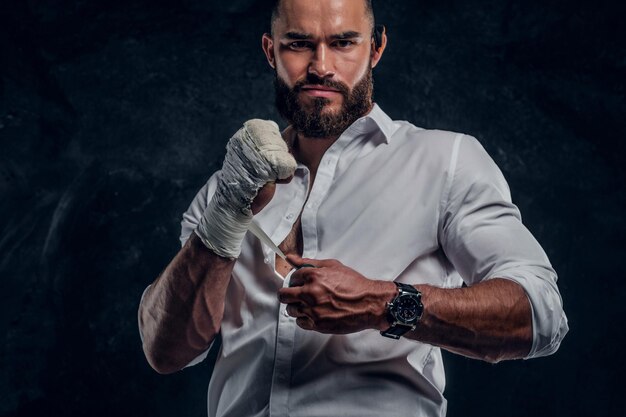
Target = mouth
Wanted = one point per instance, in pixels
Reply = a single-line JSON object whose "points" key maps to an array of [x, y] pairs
{"points": [[315, 90]]}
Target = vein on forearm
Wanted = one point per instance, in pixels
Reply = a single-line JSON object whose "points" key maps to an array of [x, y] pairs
{"points": [[490, 320], [182, 310]]}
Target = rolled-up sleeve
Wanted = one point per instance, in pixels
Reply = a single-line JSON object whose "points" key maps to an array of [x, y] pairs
{"points": [[483, 236]]}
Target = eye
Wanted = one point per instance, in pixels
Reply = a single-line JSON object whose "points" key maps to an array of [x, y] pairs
{"points": [[344, 43], [300, 45]]}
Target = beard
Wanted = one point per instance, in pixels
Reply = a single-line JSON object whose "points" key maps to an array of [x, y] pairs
{"points": [[312, 121]]}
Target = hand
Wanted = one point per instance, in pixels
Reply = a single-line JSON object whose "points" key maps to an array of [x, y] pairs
{"points": [[265, 195], [256, 158], [333, 298]]}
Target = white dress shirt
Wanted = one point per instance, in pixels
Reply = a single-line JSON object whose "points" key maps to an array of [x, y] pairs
{"points": [[393, 202]]}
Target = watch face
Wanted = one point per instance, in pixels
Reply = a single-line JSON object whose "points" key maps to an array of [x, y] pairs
{"points": [[406, 309]]}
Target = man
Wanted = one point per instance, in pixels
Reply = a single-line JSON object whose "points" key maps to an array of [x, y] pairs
{"points": [[382, 223]]}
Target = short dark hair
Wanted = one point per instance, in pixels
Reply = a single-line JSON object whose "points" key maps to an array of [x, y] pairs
{"points": [[369, 11]]}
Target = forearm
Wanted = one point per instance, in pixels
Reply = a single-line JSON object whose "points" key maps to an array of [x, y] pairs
{"points": [[181, 312], [491, 320]]}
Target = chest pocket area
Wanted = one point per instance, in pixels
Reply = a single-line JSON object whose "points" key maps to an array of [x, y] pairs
{"points": [[365, 346]]}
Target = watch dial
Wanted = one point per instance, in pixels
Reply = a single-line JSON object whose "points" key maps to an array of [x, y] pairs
{"points": [[406, 309]]}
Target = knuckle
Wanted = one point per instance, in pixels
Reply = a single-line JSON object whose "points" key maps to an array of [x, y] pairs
{"points": [[311, 279], [282, 162], [331, 263], [316, 294], [314, 275]]}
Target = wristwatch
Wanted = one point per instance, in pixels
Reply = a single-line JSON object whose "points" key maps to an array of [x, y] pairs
{"points": [[404, 311]]}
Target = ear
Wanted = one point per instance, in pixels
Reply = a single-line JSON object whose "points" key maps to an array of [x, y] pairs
{"points": [[267, 44], [378, 53]]}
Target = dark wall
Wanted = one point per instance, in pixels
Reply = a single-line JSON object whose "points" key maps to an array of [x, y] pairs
{"points": [[114, 113]]}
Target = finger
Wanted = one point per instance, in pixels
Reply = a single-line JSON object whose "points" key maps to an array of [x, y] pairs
{"points": [[317, 263], [282, 163], [300, 294], [296, 279], [295, 310], [326, 263], [301, 277], [305, 322], [295, 259], [290, 295], [263, 197], [270, 145], [284, 180]]}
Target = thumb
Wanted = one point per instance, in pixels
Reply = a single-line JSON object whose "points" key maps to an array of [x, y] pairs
{"points": [[300, 262]]}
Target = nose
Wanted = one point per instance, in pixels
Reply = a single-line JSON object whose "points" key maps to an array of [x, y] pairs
{"points": [[322, 62]]}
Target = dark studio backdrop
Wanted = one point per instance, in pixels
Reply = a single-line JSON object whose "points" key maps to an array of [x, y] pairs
{"points": [[114, 113]]}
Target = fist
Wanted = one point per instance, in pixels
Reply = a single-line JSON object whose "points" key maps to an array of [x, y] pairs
{"points": [[256, 155], [264, 136], [256, 158], [265, 195], [333, 298]]}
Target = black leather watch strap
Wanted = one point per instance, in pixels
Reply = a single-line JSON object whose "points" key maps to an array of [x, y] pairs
{"points": [[406, 287], [396, 331]]}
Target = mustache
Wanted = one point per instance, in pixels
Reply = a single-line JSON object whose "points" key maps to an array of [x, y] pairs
{"points": [[312, 79]]}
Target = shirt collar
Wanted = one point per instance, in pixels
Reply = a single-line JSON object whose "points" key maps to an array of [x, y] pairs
{"points": [[378, 119]]}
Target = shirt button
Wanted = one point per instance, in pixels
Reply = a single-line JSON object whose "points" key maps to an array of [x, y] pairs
{"points": [[266, 260], [290, 216]]}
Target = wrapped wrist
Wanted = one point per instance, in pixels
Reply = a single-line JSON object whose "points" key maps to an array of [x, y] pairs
{"points": [[222, 230]]}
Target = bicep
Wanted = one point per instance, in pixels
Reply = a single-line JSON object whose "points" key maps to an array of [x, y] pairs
{"points": [[483, 236], [487, 238], [482, 232]]}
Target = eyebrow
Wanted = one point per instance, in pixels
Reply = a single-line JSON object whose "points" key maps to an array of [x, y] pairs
{"points": [[297, 35], [351, 34]]}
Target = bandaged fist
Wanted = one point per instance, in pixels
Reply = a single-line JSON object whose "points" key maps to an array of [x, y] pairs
{"points": [[255, 156]]}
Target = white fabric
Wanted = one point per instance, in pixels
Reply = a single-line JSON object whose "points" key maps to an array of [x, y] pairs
{"points": [[255, 155], [394, 202]]}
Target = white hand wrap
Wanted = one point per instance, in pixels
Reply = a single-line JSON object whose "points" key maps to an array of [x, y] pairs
{"points": [[255, 155]]}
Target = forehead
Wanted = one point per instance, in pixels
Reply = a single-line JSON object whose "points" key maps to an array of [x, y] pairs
{"points": [[321, 16]]}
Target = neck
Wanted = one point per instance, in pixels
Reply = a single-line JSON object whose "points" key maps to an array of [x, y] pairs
{"points": [[310, 151]]}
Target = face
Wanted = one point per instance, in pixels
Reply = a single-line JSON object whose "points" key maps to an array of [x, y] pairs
{"points": [[322, 54]]}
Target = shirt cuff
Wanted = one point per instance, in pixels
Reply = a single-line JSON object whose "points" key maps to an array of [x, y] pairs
{"points": [[548, 318], [198, 358]]}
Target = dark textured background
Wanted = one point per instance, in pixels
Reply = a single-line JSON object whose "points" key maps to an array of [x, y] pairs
{"points": [[114, 113]]}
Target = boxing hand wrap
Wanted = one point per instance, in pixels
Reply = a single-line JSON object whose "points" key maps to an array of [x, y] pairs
{"points": [[255, 155]]}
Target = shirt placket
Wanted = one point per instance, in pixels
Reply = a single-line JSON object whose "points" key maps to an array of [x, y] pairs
{"points": [[286, 326], [281, 377], [323, 182], [286, 330]]}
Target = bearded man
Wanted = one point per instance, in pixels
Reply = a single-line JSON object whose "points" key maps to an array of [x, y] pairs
{"points": [[382, 224]]}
